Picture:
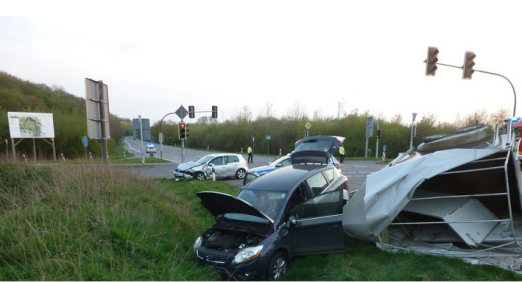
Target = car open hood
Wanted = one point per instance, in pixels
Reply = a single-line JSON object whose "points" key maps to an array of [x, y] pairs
{"points": [[318, 143], [187, 165], [219, 203]]}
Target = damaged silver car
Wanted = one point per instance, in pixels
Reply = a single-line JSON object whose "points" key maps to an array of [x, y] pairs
{"points": [[220, 166]]}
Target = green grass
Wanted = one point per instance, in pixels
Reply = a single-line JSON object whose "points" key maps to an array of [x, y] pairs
{"points": [[101, 222]]}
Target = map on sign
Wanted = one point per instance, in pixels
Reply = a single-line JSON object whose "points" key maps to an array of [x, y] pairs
{"points": [[31, 125]]}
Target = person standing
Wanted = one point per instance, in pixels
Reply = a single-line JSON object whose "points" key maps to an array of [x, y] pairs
{"points": [[341, 152], [250, 157]]}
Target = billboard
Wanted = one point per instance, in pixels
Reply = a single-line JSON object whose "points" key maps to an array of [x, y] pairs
{"points": [[30, 125], [94, 103]]}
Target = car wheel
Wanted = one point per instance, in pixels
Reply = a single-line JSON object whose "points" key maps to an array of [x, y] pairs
{"points": [[276, 266], [199, 176], [240, 173]]}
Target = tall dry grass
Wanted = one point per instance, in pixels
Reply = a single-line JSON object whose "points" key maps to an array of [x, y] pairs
{"points": [[92, 222]]}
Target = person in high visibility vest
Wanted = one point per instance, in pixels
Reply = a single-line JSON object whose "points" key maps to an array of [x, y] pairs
{"points": [[250, 157], [341, 152]]}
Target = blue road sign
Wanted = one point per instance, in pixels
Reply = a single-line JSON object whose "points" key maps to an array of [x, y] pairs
{"points": [[85, 141], [383, 148]]}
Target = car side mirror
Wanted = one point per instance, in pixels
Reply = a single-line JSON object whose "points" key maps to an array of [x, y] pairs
{"points": [[292, 220]]}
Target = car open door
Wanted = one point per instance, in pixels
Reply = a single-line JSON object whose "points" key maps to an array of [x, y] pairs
{"points": [[316, 225], [220, 167]]}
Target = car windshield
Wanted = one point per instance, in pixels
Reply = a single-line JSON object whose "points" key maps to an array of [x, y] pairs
{"points": [[278, 161], [204, 160], [268, 202]]}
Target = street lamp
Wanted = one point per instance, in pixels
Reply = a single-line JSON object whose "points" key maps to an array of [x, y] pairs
{"points": [[412, 121], [161, 134]]}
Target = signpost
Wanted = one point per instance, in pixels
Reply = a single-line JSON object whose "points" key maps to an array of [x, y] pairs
{"points": [[268, 144], [369, 133], [85, 142], [97, 103]]}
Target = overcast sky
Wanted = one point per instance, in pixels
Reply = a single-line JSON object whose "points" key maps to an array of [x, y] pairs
{"points": [[368, 55]]}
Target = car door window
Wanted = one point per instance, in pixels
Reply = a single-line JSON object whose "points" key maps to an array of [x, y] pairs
{"points": [[326, 204], [218, 161], [329, 174], [286, 162], [317, 183], [232, 159]]}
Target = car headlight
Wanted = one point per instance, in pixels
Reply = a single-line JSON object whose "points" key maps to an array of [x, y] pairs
{"points": [[247, 254], [197, 243]]}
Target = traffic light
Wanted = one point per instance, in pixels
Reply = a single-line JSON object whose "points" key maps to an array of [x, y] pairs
{"points": [[191, 112], [183, 131], [214, 111], [431, 61], [467, 69], [414, 131], [378, 133]]}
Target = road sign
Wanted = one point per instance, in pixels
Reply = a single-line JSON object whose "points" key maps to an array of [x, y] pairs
{"points": [[97, 109], [308, 125], [85, 141], [383, 148], [182, 112], [268, 137]]}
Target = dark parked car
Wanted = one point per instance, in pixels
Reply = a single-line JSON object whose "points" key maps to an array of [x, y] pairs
{"points": [[329, 144], [295, 210]]}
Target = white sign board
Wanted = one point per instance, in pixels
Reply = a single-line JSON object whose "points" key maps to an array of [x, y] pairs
{"points": [[30, 125]]}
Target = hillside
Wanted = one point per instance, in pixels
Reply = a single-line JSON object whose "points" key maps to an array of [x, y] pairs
{"points": [[69, 116]]}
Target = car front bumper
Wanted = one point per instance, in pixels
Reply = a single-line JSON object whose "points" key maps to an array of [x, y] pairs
{"points": [[223, 265], [182, 175]]}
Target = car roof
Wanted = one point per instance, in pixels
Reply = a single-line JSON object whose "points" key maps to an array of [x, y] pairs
{"points": [[222, 154], [285, 178]]}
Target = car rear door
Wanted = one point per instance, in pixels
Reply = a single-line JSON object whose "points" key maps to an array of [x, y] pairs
{"points": [[232, 163], [318, 225]]}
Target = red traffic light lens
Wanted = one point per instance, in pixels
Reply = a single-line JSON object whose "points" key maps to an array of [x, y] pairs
{"points": [[181, 125]]}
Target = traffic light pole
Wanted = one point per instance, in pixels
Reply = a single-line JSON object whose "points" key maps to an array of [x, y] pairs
{"points": [[492, 73], [514, 93]]}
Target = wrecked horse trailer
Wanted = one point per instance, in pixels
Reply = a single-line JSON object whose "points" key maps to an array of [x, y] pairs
{"points": [[457, 202]]}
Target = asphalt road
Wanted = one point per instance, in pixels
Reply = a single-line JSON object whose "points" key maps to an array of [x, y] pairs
{"points": [[356, 171]]}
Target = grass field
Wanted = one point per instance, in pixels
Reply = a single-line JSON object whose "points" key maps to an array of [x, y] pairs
{"points": [[101, 222]]}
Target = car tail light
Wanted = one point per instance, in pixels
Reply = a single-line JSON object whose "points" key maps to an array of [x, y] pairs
{"points": [[345, 185], [246, 164], [337, 165]]}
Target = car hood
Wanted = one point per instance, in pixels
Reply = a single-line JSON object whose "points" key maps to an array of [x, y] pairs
{"points": [[261, 168], [219, 203], [187, 165]]}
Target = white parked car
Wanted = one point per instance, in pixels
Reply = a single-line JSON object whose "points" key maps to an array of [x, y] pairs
{"points": [[223, 165]]}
